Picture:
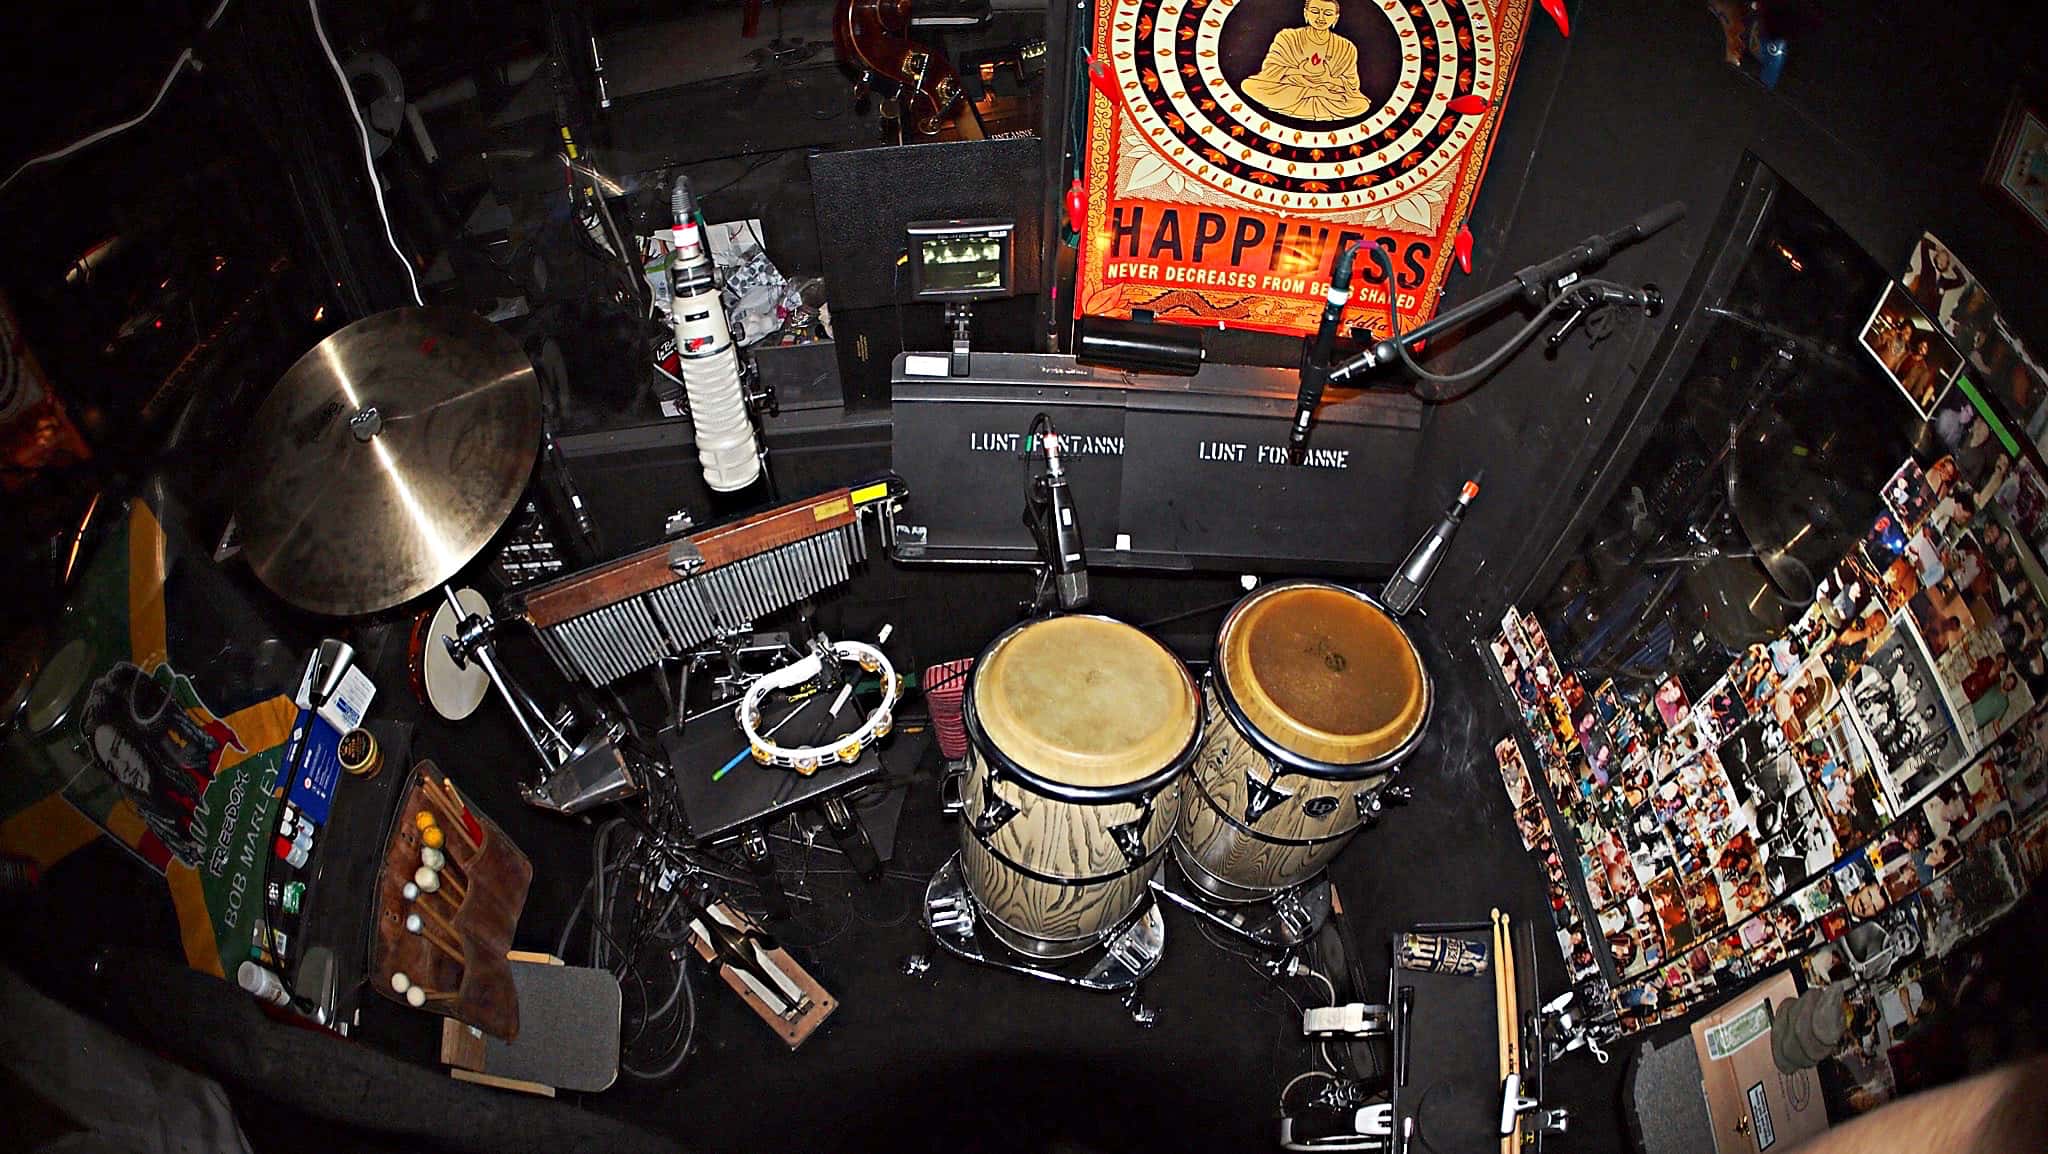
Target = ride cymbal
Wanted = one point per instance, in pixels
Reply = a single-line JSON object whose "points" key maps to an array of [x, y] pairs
{"points": [[386, 458]]}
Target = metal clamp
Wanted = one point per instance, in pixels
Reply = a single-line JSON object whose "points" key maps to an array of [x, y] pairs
{"points": [[684, 558], [1514, 1104], [1356, 1020], [1372, 804], [996, 811]]}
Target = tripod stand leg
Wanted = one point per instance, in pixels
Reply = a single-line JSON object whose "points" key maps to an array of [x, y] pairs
{"points": [[761, 863], [851, 837]]}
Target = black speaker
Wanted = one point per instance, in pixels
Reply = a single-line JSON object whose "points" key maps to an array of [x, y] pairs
{"points": [[866, 198]]}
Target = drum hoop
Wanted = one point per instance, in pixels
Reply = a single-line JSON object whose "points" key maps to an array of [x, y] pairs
{"points": [[1004, 765], [1054, 879], [1230, 818], [1301, 763]]}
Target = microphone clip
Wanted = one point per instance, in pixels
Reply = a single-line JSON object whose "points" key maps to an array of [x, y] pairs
{"points": [[1050, 514], [1590, 304]]}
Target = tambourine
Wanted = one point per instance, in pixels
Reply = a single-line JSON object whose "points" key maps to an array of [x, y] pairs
{"points": [[807, 759]]}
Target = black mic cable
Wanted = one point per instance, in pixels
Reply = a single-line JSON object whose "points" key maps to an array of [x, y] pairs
{"points": [[1315, 357]]}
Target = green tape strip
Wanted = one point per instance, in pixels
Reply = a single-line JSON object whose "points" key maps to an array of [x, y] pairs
{"points": [[1990, 415]]}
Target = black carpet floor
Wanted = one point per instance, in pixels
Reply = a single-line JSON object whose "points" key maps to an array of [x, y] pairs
{"points": [[966, 1057]]}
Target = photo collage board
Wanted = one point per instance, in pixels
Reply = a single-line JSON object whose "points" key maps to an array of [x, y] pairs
{"points": [[1861, 795]]}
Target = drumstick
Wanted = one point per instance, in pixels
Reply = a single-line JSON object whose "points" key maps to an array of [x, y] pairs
{"points": [[434, 800], [439, 920], [428, 879], [472, 830], [416, 995], [440, 863], [414, 925], [430, 802], [1500, 1000], [1512, 1140]]}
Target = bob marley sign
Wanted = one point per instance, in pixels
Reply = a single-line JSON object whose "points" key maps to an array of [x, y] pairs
{"points": [[1236, 146]]}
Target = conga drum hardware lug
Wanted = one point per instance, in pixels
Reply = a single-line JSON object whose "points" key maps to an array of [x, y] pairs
{"points": [[1130, 837], [996, 812], [1261, 797]]}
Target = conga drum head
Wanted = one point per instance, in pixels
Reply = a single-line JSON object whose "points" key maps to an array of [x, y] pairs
{"points": [[1324, 674], [1085, 705]]}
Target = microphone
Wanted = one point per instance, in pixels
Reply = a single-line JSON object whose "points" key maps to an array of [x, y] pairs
{"points": [[1594, 251], [1405, 589], [1315, 357], [1055, 523]]}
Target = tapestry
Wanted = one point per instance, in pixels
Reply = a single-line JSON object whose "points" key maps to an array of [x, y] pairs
{"points": [[1236, 146]]}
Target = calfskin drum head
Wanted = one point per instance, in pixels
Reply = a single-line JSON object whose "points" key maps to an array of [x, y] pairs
{"points": [[1322, 671], [453, 690], [1085, 701]]}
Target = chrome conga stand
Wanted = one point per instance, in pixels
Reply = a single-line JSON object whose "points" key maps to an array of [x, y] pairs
{"points": [[1115, 965], [1280, 922]]}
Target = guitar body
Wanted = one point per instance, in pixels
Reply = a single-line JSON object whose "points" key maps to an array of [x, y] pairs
{"points": [[873, 37]]}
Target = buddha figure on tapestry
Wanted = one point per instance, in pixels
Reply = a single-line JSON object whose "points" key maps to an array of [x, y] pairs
{"points": [[1310, 73]]}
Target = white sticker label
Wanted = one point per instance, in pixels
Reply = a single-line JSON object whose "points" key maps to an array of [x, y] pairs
{"points": [[344, 711], [918, 365], [1760, 1115]]}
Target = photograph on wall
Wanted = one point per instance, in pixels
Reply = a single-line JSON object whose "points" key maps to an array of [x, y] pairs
{"points": [[1941, 616], [1984, 687], [1756, 679], [1939, 283], [1899, 857], [1959, 904], [1807, 696], [1969, 809], [1844, 775], [2022, 760], [1855, 878], [1514, 773], [1913, 353], [1955, 503], [1720, 711], [1898, 703], [2030, 848], [1908, 495], [1969, 434], [2018, 171]]}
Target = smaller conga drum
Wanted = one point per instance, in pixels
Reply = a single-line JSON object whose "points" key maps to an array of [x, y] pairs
{"points": [[1316, 694], [1079, 729]]}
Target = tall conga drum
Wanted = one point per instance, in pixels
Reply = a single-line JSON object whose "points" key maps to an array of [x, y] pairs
{"points": [[1080, 729], [1315, 695]]}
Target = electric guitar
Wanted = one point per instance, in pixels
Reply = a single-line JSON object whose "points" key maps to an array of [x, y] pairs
{"points": [[873, 37]]}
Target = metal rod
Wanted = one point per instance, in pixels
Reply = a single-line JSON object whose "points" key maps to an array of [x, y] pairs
{"points": [[482, 654]]}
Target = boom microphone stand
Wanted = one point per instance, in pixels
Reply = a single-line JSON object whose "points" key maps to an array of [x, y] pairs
{"points": [[1554, 284]]}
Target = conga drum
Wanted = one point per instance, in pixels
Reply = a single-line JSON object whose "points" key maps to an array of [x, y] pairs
{"points": [[1315, 695], [1079, 729]]}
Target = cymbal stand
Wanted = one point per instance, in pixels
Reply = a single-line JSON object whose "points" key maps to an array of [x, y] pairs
{"points": [[575, 775]]}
